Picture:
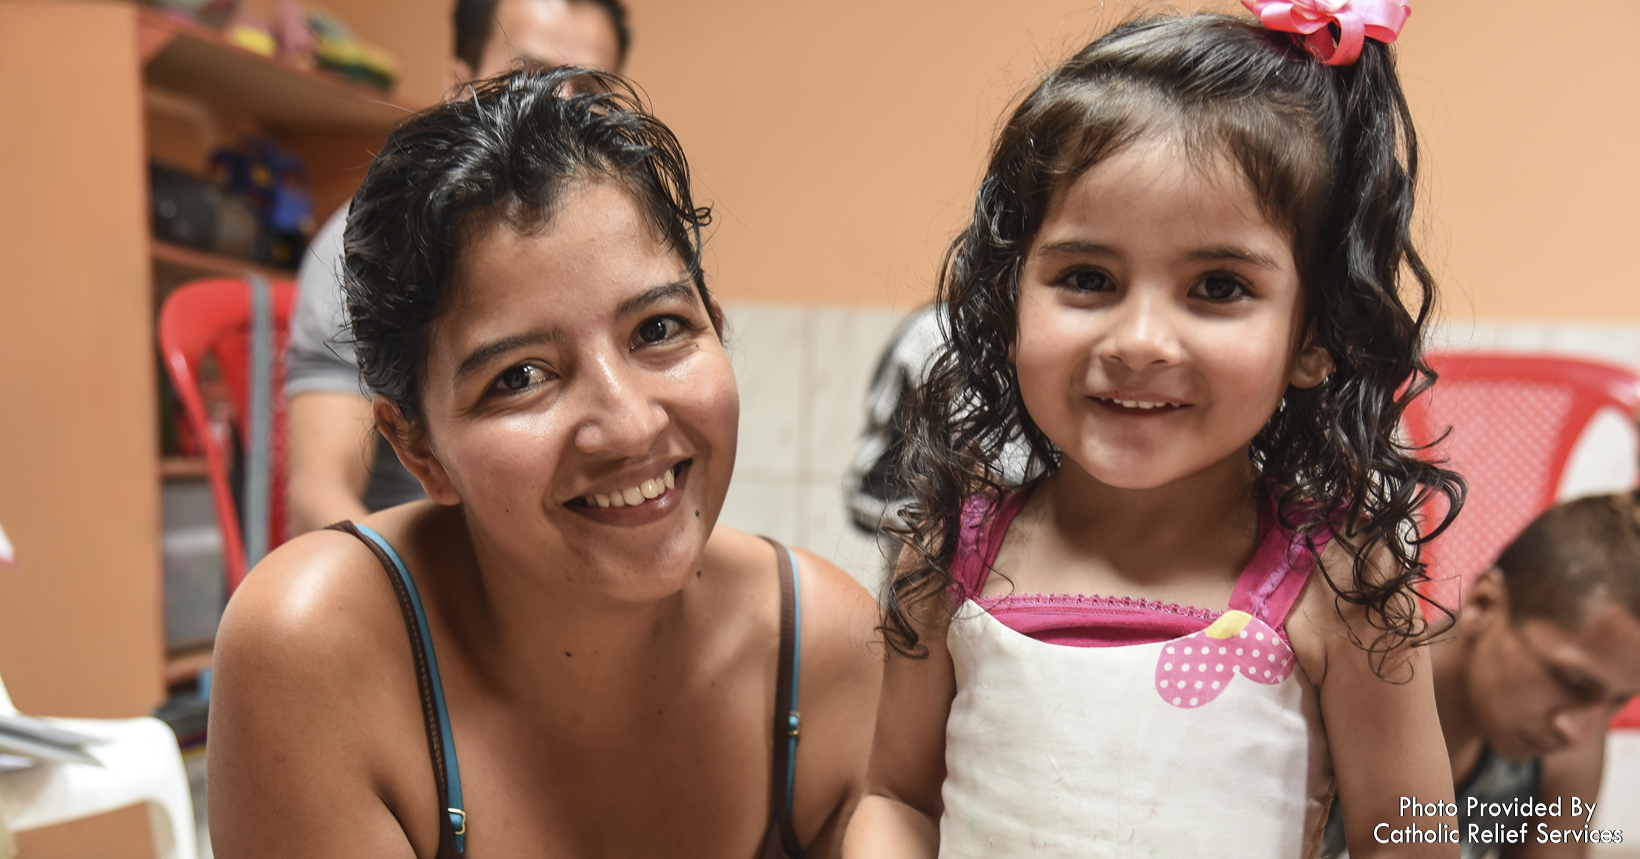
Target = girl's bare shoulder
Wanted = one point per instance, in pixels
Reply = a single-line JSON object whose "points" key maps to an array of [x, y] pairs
{"points": [[1322, 627]]}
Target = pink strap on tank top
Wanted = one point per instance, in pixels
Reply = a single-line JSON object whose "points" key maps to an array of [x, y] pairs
{"points": [[1266, 589]]}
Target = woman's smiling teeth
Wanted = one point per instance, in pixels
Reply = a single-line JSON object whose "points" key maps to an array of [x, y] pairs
{"points": [[652, 488]]}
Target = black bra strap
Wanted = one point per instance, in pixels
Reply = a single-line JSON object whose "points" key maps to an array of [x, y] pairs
{"points": [[786, 718], [429, 710]]}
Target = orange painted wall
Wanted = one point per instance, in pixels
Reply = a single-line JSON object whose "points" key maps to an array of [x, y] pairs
{"points": [[80, 615], [841, 141]]}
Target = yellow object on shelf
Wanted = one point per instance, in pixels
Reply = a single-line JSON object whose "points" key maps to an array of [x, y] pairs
{"points": [[252, 39]]}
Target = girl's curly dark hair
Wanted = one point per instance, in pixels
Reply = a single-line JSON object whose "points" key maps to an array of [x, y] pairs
{"points": [[506, 154], [1331, 155]]}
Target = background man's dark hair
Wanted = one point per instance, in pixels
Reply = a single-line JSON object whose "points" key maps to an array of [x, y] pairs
{"points": [[1572, 552], [474, 22]]}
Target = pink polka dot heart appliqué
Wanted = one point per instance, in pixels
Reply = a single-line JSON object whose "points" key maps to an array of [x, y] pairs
{"points": [[1193, 670]]}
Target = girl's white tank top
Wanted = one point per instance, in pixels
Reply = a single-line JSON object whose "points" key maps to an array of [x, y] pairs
{"points": [[1208, 745]]}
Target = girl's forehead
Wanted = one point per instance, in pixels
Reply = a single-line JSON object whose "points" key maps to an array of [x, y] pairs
{"points": [[1160, 189]]}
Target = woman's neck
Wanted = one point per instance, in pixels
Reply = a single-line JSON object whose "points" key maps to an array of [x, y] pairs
{"points": [[530, 633]]}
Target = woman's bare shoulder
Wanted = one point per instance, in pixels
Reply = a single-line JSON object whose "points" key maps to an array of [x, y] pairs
{"points": [[839, 617], [317, 615]]}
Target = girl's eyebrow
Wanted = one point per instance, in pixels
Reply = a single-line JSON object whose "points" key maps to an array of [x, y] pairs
{"points": [[1076, 247], [1221, 253]]}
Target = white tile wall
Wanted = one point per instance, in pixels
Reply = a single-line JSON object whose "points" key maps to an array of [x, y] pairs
{"points": [[803, 374]]}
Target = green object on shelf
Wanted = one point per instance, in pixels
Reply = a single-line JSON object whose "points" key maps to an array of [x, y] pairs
{"points": [[339, 51]]}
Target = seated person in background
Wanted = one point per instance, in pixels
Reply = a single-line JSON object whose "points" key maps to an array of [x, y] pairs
{"points": [[1546, 650], [338, 467], [558, 653]]}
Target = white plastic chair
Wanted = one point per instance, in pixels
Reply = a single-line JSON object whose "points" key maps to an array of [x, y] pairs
{"points": [[141, 763]]}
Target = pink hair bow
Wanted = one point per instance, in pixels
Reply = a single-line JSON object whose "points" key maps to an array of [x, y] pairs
{"points": [[1356, 19]]}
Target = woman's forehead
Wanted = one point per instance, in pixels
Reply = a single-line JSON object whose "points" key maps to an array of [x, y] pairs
{"points": [[594, 255]]}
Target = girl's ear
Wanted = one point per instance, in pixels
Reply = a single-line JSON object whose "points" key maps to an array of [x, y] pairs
{"points": [[410, 443], [1314, 363]]}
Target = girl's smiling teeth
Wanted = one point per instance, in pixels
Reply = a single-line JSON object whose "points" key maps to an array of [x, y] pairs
{"points": [[650, 489], [1139, 404]]}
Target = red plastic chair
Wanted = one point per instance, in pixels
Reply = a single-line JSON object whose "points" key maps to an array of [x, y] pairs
{"points": [[1514, 420], [213, 317]]}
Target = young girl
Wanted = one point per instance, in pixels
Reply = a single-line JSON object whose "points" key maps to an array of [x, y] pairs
{"points": [[1183, 289]]}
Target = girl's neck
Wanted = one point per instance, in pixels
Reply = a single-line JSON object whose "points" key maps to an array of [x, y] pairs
{"points": [[1184, 512]]}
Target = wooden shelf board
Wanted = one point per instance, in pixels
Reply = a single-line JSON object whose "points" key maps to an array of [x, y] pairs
{"points": [[204, 263], [183, 468], [186, 665], [200, 62]]}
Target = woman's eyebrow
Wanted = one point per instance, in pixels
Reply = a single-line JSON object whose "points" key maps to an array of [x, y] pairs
{"points": [[655, 295], [487, 352]]}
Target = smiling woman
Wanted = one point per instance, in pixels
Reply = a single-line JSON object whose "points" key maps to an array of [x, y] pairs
{"points": [[556, 654]]}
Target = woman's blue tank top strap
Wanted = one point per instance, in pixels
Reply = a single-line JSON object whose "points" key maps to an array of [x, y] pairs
{"points": [[452, 799], [792, 718]]}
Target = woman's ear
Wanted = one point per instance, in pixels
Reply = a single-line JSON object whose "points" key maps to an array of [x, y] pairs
{"points": [[715, 310], [410, 443], [1314, 363]]}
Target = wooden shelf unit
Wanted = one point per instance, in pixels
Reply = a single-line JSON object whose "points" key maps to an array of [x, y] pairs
{"points": [[191, 58], [190, 263], [81, 619], [307, 110]]}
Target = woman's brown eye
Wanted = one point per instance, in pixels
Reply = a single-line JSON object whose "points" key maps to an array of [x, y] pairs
{"points": [[657, 329], [518, 378]]}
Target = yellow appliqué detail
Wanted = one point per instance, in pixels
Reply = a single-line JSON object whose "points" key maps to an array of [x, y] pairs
{"points": [[1228, 624]]}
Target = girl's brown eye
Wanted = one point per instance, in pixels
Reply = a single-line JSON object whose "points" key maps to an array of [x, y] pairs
{"points": [[1220, 288], [1088, 281]]}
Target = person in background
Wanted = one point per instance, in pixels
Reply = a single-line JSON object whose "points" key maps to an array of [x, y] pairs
{"points": [[1546, 650], [874, 489], [339, 469]]}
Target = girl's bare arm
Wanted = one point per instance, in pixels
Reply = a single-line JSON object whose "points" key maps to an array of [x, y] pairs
{"points": [[899, 816], [1383, 732]]}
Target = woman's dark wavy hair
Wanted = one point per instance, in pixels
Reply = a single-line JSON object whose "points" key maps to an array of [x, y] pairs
{"points": [[1331, 156], [507, 154]]}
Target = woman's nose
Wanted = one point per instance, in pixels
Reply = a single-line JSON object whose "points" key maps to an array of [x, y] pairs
{"points": [[1141, 333], [622, 418]]}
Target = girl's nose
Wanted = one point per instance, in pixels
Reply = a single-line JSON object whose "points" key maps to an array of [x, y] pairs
{"points": [[1141, 333], [622, 418]]}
